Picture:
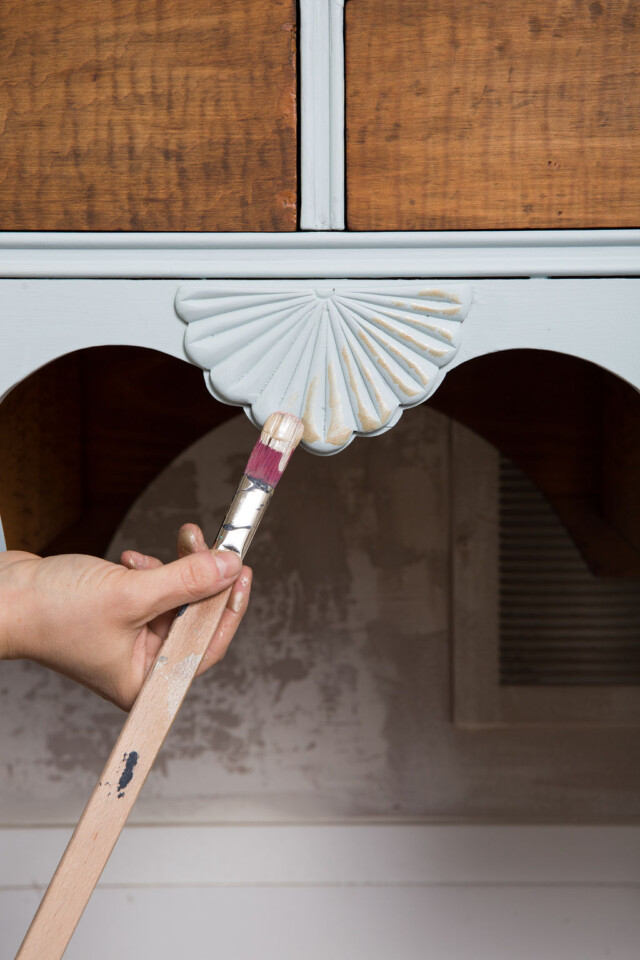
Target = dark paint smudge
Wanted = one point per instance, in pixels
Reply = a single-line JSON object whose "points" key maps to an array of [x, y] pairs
{"points": [[260, 484], [127, 774]]}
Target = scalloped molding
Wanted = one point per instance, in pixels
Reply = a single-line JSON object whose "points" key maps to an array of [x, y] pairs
{"points": [[346, 357], [42, 319]]}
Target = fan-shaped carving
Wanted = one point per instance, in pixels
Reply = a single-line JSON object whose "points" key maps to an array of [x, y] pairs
{"points": [[345, 358]]}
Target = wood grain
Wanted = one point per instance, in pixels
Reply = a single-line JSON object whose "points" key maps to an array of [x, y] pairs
{"points": [[476, 114], [122, 778], [149, 115]]}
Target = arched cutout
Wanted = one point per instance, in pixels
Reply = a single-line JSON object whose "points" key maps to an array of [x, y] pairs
{"points": [[574, 428], [83, 436]]}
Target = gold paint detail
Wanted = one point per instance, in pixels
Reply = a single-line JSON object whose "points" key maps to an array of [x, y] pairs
{"points": [[437, 311], [338, 433], [385, 412], [418, 324], [393, 328], [310, 434], [440, 295], [445, 334], [385, 366], [414, 366], [368, 422]]}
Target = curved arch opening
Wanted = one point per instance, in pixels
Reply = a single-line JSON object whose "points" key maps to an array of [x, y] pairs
{"points": [[84, 435], [574, 429]]}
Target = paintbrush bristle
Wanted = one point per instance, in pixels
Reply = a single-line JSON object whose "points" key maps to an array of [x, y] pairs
{"points": [[280, 436]]}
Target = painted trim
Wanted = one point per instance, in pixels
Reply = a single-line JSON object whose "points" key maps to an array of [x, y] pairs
{"points": [[597, 320], [346, 357], [322, 114], [415, 854], [523, 253]]}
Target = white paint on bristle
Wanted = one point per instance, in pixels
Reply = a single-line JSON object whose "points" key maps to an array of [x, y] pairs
{"points": [[282, 432]]}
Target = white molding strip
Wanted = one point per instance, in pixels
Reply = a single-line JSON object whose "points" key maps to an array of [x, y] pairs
{"points": [[411, 854], [522, 253], [322, 114]]}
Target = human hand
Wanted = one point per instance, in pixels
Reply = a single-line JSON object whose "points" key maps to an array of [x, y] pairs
{"points": [[101, 623]]}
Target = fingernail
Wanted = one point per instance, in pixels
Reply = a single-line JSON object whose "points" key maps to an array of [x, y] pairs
{"points": [[237, 600], [229, 564], [186, 541]]}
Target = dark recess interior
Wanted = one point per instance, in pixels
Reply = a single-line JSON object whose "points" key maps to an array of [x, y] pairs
{"points": [[82, 437]]}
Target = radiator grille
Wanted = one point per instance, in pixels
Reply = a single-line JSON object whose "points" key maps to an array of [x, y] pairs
{"points": [[558, 623]]}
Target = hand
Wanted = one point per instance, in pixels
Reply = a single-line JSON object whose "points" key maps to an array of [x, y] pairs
{"points": [[101, 623]]}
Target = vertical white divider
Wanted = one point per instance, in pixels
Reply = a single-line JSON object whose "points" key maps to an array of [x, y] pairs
{"points": [[322, 114]]}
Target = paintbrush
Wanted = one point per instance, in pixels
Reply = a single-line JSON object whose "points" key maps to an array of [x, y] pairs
{"points": [[155, 708]]}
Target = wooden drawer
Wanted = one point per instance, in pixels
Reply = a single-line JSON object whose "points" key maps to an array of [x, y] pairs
{"points": [[482, 115], [146, 116]]}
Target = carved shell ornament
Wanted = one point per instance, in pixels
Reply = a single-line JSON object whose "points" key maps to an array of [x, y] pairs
{"points": [[345, 358]]}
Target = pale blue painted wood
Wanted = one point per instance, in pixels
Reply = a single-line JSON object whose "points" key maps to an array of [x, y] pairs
{"points": [[347, 358], [481, 253], [595, 319], [322, 114]]}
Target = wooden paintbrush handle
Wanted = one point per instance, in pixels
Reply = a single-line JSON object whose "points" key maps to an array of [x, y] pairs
{"points": [[121, 780]]}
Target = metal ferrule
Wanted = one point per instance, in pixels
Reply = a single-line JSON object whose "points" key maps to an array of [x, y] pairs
{"points": [[244, 515]]}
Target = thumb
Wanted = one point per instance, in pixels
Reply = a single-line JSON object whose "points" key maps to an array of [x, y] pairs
{"points": [[191, 578]]}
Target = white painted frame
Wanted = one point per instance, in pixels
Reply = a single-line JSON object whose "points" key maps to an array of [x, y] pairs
{"points": [[322, 188], [587, 317], [437, 254], [594, 319]]}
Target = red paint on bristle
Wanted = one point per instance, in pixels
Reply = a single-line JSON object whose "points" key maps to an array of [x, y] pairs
{"points": [[264, 464]]}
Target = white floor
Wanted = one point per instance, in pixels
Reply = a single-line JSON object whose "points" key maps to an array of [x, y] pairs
{"points": [[342, 892]]}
